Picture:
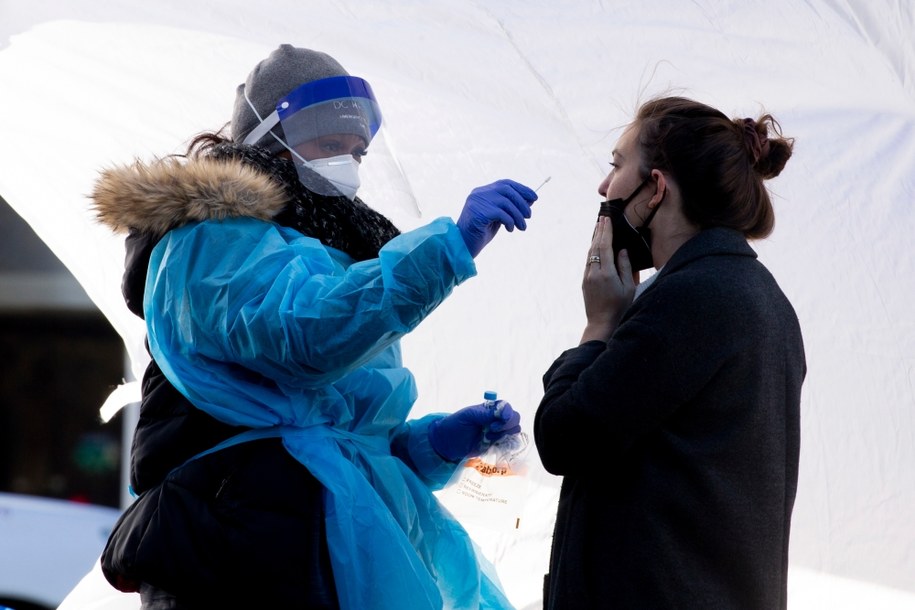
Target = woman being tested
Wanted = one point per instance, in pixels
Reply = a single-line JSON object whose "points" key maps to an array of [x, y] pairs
{"points": [[274, 459], [675, 422]]}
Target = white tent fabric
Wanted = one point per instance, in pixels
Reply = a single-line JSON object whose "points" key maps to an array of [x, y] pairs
{"points": [[473, 91]]}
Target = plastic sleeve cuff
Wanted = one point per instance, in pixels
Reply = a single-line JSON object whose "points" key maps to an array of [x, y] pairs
{"points": [[429, 465]]}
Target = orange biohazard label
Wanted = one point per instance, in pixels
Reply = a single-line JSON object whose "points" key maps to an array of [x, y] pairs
{"points": [[489, 470]]}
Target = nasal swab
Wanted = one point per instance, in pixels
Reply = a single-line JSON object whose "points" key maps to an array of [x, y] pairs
{"points": [[542, 183]]}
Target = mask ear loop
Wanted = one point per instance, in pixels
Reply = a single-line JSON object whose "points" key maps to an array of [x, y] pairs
{"points": [[655, 210], [650, 216], [265, 127]]}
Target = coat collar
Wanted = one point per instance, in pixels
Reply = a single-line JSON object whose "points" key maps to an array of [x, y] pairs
{"points": [[710, 242], [156, 197]]}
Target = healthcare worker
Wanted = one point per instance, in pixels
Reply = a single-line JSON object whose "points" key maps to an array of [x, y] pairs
{"points": [[274, 461]]}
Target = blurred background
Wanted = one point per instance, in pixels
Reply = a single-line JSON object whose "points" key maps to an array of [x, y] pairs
{"points": [[60, 467], [61, 358]]}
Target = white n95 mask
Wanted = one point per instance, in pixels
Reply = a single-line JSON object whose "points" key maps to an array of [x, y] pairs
{"points": [[341, 171]]}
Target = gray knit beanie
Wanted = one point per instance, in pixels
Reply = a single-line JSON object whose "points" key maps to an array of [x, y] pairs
{"points": [[285, 69]]}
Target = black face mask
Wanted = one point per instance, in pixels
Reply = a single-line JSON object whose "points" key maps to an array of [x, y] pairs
{"points": [[636, 241]]}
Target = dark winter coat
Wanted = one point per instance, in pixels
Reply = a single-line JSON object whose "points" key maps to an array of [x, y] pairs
{"points": [[678, 442]]}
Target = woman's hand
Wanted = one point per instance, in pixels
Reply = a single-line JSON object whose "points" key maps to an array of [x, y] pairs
{"points": [[607, 291]]}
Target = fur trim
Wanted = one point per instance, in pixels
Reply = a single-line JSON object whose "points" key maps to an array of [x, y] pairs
{"points": [[170, 192]]}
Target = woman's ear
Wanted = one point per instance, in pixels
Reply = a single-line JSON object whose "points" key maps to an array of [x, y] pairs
{"points": [[660, 188]]}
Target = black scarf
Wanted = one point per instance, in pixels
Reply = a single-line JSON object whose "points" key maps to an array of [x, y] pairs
{"points": [[350, 226]]}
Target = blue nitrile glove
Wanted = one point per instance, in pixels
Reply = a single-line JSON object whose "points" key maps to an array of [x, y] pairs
{"points": [[503, 203], [461, 434]]}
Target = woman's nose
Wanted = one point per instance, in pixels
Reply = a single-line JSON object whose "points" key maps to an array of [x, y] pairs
{"points": [[602, 188]]}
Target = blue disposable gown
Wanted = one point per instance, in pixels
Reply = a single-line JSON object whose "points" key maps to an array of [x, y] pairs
{"points": [[262, 327]]}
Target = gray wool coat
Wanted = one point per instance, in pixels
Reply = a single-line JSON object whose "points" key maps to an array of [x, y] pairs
{"points": [[678, 442]]}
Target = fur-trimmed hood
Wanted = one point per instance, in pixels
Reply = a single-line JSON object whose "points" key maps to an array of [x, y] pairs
{"points": [[167, 193], [226, 180]]}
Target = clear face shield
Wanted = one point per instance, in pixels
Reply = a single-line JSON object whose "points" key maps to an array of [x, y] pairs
{"points": [[328, 125]]}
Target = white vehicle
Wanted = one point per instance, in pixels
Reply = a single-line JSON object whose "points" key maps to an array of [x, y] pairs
{"points": [[46, 547]]}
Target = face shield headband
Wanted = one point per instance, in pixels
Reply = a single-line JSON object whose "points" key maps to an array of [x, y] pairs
{"points": [[335, 106]]}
